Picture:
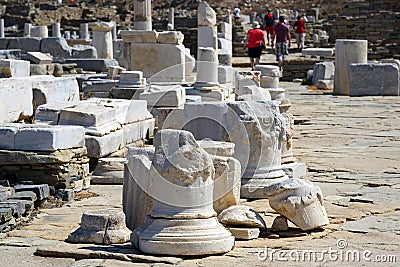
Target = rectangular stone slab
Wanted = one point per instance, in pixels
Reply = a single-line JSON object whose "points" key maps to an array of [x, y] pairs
{"points": [[101, 146], [52, 138], [8, 157]]}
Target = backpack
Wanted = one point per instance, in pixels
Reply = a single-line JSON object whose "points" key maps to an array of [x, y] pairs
{"points": [[269, 20]]}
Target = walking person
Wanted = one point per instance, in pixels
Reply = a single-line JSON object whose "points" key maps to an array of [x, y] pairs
{"points": [[282, 35], [236, 15], [255, 42], [269, 23], [300, 32]]}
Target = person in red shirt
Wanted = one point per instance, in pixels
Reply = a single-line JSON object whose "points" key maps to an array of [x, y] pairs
{"points": [[269, 23], [255, 42], [300, 32]]}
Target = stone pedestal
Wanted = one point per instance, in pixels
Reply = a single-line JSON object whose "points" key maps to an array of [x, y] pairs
{"points": [[347, 52], [84, 31], [40, 32], [207, 69], [182, 220], [106, 226], [257, 129], [102, 39], [56, 32], [142, 15]]}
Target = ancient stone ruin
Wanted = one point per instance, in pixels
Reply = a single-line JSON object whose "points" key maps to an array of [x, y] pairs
{"points": [[145, 119]]}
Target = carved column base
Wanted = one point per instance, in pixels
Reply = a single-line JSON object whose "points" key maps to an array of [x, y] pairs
{"points": [[183, 237]]}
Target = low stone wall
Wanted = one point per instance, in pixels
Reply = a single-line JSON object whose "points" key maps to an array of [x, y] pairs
{"points": [[297, 69], [374, 21]]}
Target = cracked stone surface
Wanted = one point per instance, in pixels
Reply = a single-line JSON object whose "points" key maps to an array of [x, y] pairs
{"points": [[351, 147]]}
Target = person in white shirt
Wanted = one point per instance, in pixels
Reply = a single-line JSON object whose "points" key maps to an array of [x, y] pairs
{"points": [[236, 15]]}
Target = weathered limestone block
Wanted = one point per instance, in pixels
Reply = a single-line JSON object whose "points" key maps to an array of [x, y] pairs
{"points": [[158, 62], [323, 71], [242, 81], [48, 89], [38, 58], [98, 119], [100, 146], [257, 129], [268, 70], [241, 216], [25, 44], [40, 31], [109, 171], [225, 74], [300, 201], [170, 37], [49, 113], [207, 69], [325, 84], [93, 64], [226, 182], [212, 93], [277, 93], [164, 96], [347, 52], [207, 36], [373, 79], [14, 68], [136, 199], [269, 82], [255, 91], [139, 36], [244, 233], [7, 137], [136, 131], [42, 137], [127, 111], [42, 191], [217, 148], [85, 51], [106, 226], [183, 222], [206, 120], [318, 52], [206, 15], [57, 47]]}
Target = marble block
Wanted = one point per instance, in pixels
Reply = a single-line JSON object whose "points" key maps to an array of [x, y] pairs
{"points": [[100, 146], [164, 96], [268, 70], [14, 68], [39, 58], [98, 119], [217, 148], [374, 80], [45, 138]]}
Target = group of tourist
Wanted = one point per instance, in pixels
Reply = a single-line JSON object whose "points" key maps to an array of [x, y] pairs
{"points": [[278, 37]]}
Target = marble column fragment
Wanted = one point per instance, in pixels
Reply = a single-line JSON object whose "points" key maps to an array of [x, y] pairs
{"points": [[182, 220], [142, 15], [102, 38]]}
